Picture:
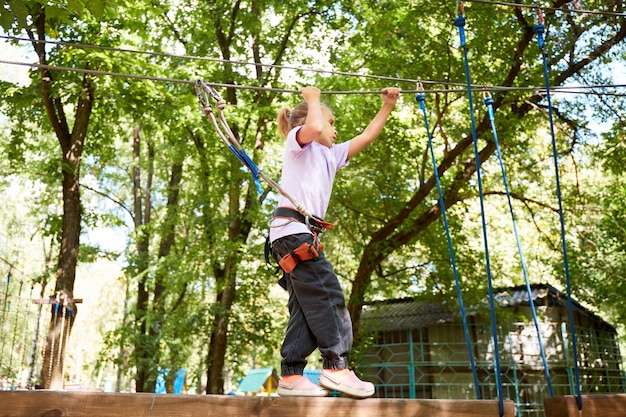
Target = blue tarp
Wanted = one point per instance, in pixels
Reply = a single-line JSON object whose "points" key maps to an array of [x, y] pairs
{"points": [[256, 380], [179, 381], [313, 375]]}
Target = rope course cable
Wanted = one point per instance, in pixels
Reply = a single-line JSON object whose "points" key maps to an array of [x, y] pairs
{"points": [[459, 22], [27, 321], [14, 303], [6, 306], [572, 89], [209, 59], [491, 114], [539, 30], [420, 98], [15, 325], [181, 81]]}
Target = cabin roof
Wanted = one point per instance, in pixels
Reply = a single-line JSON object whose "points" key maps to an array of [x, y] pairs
{"points": [[408, 313]]}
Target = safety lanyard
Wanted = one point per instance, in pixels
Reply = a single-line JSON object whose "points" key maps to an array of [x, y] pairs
{"points": [[205, 93]]}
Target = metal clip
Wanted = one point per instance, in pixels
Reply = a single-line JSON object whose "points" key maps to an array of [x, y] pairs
{"points": [[420, 96], [459, 5], [204, 91], [420, 85], [213, 92], [540, 17], [486, 94], [201, 93]]}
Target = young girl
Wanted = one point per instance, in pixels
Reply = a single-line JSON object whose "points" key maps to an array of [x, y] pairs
{"points": [[318, 317]]}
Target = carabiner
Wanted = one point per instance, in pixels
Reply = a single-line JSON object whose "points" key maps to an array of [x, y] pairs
{"points": [[486, 93], [203, 97], [459, 5], [540, 17], [213, 92], [419, 84], [420, 96]]}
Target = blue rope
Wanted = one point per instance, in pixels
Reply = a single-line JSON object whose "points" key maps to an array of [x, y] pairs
{"points": [[489, 105], [245, 159], [204, 92], [460, 23], [420, 99], [539, 30]]}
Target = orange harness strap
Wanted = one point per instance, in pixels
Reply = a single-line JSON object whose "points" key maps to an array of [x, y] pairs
{"points": [[304, 252]]}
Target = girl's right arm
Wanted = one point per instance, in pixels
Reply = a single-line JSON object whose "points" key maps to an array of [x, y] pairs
{"points": [[314, 122]]}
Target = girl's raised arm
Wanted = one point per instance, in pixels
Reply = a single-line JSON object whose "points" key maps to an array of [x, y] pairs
{"points": [[314, 122], [358, 143]]}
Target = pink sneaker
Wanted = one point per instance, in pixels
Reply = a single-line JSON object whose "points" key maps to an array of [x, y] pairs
{"points": [[303, 387], [348, 384]]}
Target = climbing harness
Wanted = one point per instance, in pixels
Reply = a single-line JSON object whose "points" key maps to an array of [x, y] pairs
{"points": [[459, 22], [489, 105], [539, 30], [304, 252], [470, 352]]}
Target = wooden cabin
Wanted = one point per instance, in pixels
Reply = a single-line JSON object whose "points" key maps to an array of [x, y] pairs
{"points": [[419, 350]]}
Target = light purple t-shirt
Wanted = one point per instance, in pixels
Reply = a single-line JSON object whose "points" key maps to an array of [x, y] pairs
{"points": [[308, 175]]}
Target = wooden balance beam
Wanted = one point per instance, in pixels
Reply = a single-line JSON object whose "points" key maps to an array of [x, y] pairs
{"points": [[98, 404], [601, 405]]}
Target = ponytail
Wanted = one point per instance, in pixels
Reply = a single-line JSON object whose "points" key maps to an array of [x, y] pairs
{"points": [[284, 126], [289, 118]]}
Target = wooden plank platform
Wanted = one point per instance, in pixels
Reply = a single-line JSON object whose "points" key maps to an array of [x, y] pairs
{"points": [[98, 404], [600, 405]]}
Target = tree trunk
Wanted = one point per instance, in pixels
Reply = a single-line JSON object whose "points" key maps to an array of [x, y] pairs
{"points": [[225, 277], [158, 311], [141, 217], [72, 144], [150, 315], [225, 272], [219, 334]]}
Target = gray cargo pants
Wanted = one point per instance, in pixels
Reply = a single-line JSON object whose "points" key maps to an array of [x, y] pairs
{"points": [[318, 316]]}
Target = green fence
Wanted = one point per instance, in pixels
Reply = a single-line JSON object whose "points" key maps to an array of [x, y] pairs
{"points": [[433, 363]]}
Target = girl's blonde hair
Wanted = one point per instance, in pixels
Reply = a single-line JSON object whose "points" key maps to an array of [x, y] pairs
{"points": [[290, 118]]}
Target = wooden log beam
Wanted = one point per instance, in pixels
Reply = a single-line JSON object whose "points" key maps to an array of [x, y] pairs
{"points": [[98, 404], [600, 405]]}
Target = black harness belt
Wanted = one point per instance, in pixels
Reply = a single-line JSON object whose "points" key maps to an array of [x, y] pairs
{"points": [[315, 223], [306, 251]]}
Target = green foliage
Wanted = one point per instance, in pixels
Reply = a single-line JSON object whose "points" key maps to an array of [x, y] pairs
{"points": [[16, 14], [219, 222]]}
